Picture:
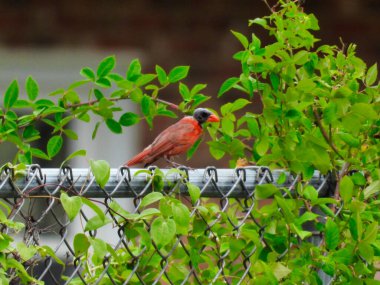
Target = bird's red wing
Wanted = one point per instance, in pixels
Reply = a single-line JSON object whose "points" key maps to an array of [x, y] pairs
{"points": [[179, 134], [182, 134]]}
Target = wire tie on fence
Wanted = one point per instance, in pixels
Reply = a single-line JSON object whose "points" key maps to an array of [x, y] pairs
{"points": [[240, 170], [212, 172], [32, 169], [126, 176], [8, 171], [264, 171], [152, 169], [66, 170], [185, 169]]}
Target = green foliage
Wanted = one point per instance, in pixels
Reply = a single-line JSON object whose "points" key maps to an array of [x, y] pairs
{"points": [[321, 104], [101, 170], [321, 109]]}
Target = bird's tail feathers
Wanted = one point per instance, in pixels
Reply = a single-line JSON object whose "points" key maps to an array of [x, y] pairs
{"points": [[138, 158]]}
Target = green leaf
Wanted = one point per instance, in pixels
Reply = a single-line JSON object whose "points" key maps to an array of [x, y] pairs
{"points": [[54, 145], [331, 234], [129, 119], [25, 252], [100, 249], [346, 189], [264, 191], [239, 104], [70, 134], [147, 213], [193, 149], [194, 192], [72, 97], [358, 179], [301, 57], [365, 110], [371, 232], [101, 170], [45, 251], [197, 88], [258, 21], [114, 126], [96, 222], [80, 152], [307, 216], [281, 178], [145, 79], [161, 74], [372, 189], [262, 146], [11, 94], [349, 139], [275, 80], [88, 73], [151, 198], [32, 88], [162, 231], [181, 216], [30, 132], [178, 73], [134, 70], [253, 126], [298, 230], [228, 126], [71, 205], [280, 271], [227, 85], [371, 75], [242, 39], [103, 82], [95, 131], [285, 205], [81, 244], [184, 91], [106, 66], [39, 153], [147, 106], [79, 83], [97, 210], [367, 252], [353, 226]]}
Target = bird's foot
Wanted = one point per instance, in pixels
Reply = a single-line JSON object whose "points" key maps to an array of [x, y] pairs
{"points": [[177, 165]]}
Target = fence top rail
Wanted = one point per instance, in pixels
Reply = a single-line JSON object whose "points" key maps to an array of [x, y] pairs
{"points": [[125, 182]]}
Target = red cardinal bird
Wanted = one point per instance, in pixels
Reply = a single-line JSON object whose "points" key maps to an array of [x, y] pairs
{"points": [[176, 139]]}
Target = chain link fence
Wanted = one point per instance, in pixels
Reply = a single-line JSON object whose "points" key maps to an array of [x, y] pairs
{"points": [[33, 202]]}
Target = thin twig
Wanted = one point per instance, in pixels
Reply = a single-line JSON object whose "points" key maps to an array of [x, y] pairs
{"points": [[92, 102]]}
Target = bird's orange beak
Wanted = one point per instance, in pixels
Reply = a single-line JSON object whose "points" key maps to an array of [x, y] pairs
{"points": [[213, 118]]}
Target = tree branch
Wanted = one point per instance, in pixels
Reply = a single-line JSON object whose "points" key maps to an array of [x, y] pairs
{"points": [[92, 102]]}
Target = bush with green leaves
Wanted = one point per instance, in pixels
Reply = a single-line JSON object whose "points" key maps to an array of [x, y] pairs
{"points": [[321, 108]]}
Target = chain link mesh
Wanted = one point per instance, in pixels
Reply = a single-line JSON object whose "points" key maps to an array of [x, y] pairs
{"points": [[34, 202]]}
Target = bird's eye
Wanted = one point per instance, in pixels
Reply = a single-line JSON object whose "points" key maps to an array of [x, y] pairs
{"points": [[204, 115]]}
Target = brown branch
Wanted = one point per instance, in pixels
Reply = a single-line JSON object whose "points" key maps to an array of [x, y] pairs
{"points": [[324, 133], [169, 104], [92, 102]]}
